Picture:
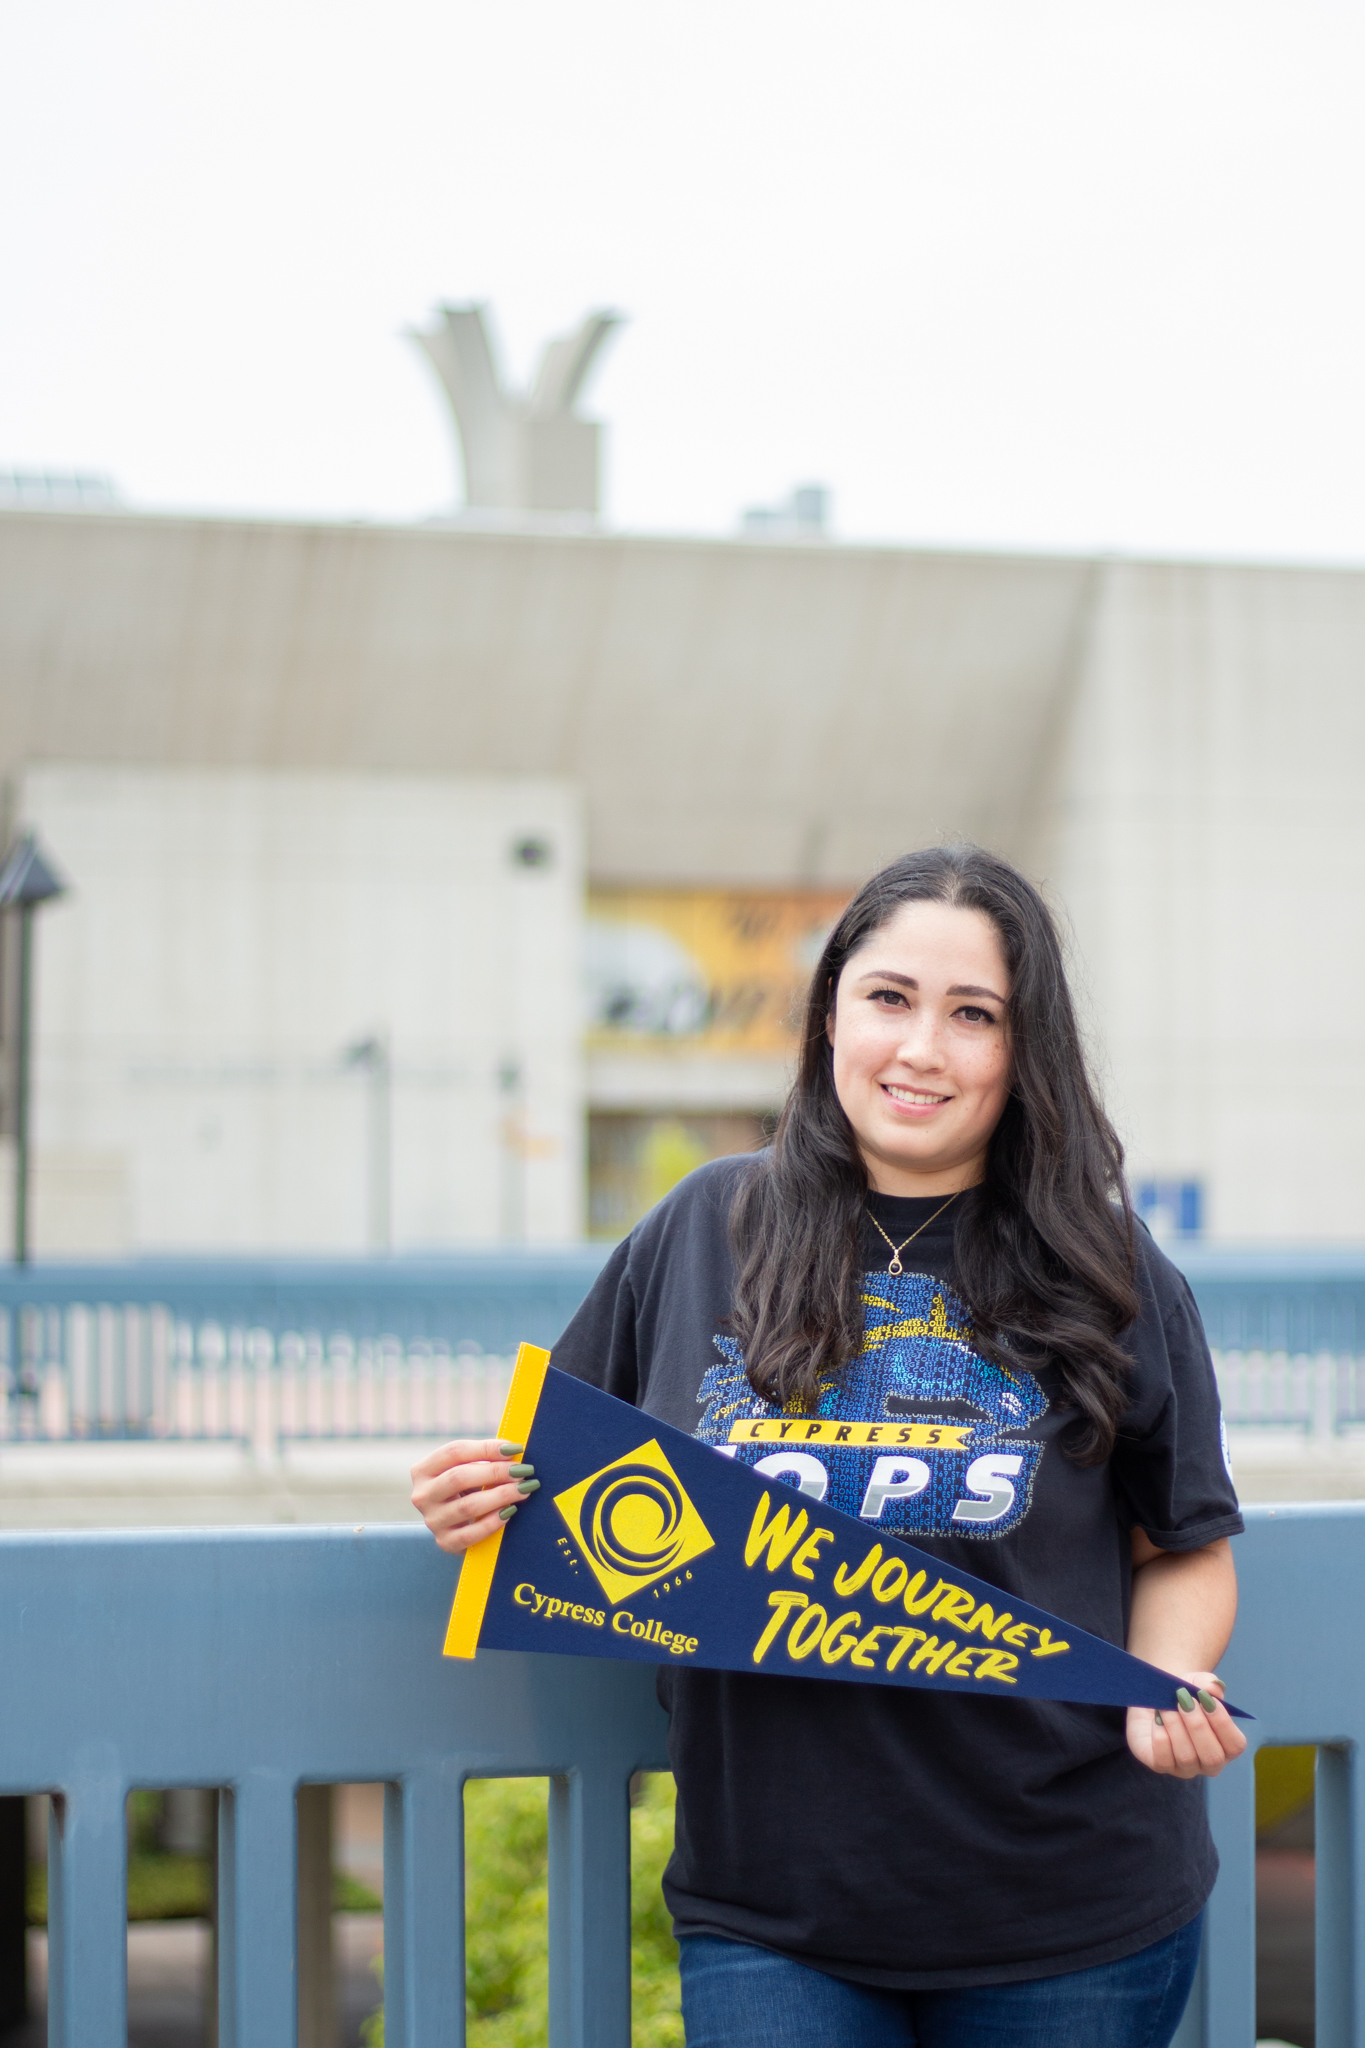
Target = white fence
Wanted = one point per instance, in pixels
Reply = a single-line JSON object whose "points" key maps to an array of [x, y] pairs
{"points": [[118, 1372], [1318, 1395], [72, 1370]]}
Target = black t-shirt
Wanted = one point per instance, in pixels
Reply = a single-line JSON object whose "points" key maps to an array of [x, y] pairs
{"points": [[913, 1839]]}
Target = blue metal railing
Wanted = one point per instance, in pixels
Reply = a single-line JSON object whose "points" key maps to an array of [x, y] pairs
{"points": [[268, 1349], [494, 1299], [256, 1661], [1297, 1662], [1287, 1330]]}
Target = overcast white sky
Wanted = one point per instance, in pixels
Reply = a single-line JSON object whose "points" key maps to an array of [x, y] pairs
{"points": [[1057, 273]]}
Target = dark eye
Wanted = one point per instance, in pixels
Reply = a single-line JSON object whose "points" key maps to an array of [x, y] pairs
{"points": [[976, 1015]]}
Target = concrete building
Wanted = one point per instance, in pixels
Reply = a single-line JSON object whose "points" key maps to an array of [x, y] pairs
{"points": [[321, 1010], [1175, 750]]}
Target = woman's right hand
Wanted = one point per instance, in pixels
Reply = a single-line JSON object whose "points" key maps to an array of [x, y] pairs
{"points": [[466, 1490]]}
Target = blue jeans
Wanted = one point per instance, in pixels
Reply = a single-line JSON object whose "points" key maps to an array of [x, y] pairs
{"points": [[736, 1996]]}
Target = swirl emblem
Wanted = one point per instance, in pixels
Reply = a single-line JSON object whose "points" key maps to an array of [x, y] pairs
{"points": [[634, 1521]]}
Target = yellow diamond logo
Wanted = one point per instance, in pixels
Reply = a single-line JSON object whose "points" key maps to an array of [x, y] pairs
{"points": [[634, 1522]]}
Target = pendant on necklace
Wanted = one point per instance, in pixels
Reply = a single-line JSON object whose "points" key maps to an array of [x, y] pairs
{"points": [[895, 1269]]}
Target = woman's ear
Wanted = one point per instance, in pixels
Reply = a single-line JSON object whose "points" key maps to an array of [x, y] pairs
{"points": [[831, 993]]}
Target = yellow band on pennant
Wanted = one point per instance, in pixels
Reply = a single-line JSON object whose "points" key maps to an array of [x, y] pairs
{"points": [[890, 1436], [476, 1570]]}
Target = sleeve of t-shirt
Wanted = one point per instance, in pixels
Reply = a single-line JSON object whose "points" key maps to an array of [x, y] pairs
{"points": [[1171, 1469], [599, 1343]]}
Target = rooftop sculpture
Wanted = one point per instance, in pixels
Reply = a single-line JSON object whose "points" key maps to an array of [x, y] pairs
{"points": [[523, 452]]}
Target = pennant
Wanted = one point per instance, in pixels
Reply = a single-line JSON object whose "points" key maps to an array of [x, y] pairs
{"points": [[644, 1544]]}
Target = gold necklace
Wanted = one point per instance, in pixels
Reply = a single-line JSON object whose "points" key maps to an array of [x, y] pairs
{"points": [[895, 1266]]}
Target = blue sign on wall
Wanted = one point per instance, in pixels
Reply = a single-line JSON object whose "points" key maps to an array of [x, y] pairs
{"points": [[1171, 1208]]}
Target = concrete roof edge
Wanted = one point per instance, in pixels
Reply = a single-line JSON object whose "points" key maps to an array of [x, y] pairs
{"points": [[446, 532]]}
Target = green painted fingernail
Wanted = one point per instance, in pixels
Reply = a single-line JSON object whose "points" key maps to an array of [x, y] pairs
{"points": [[1186, 1700], [510, 1450], [521, 1471], [1159, 1722], [528, 1486], [1207, 1701], [506, 1514]]}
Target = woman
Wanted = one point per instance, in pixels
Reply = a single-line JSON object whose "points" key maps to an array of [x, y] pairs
{"points": [[940, 1230]]}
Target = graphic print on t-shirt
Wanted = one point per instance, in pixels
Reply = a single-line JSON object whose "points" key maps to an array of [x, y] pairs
{"points": [[918, 1433]]}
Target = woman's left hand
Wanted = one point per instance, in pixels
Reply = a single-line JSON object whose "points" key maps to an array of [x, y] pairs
{"points": [[1191, 1742]]}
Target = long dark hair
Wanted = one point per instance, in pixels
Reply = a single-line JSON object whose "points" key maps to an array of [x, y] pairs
{"points": [[1043, 1248]]}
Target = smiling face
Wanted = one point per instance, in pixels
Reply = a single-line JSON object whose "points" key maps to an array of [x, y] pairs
{"points": [[920, 1033]]}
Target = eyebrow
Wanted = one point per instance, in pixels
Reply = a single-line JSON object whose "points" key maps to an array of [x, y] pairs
{"points": [[959, 988]]}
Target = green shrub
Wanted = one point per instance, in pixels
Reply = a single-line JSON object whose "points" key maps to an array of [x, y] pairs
{"points": [[506, 1962], [1284, 1784]]}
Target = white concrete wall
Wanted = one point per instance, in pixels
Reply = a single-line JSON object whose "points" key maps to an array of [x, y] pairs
{"points": [[734, 712], [1180, 750], [229, 933], [1208, 840]]}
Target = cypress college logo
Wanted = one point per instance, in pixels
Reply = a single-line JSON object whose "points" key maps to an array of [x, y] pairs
{"points": [[634, 1522]]}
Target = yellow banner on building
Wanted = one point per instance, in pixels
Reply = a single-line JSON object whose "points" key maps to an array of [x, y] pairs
{"points": [[722, 968]]}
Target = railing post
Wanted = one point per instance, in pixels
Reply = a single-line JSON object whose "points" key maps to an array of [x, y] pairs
{"points": [[257, 1914], [265, 1425], [1324, 1384], [1339, 1833], [87, 1915], [590, 1910], [424, 1991], [1229, 1969]]}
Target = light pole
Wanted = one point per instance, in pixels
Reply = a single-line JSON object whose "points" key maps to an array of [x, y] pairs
{"points": [[371, 1056], [512, 1158], [26, 880]]}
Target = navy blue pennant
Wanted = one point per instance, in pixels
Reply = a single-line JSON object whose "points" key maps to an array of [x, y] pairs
{"points": [[643, 1543]]}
